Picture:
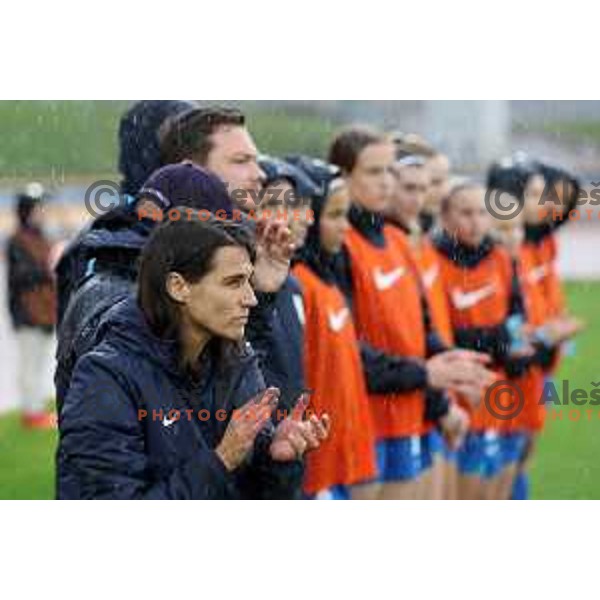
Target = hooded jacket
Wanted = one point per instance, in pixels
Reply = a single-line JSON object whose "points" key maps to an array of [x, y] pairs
{"points": [[276, 329], [111, 248], [276, 332], [119, 436], [139, 157]]}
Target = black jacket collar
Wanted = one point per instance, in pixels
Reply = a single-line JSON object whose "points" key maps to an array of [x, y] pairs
{"points": [[465, 256], [368, 224], [535, 234]]}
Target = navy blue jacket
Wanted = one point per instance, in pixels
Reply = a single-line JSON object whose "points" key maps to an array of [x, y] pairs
{"points": [[100, 271], [113, 239], [276, 332], [109, 449]]}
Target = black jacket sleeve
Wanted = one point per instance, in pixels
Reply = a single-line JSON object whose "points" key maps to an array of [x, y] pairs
{"points": [[494, 341], [259, 330], [437, 405], [266, 479], [260, 315], [434, 342], [101, 453], [387, 374]]}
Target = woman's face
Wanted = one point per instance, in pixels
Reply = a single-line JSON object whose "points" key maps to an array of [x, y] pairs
{"points": [[220, 302], [467, 218], [283, 204], [438, 167], [334, 220], [409, 194], [371, 182]]}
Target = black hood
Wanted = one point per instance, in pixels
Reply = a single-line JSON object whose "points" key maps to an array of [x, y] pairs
{"points": [[312, 254], [427, 221], [139, 144], [536, 233], [465, 256], [511, 176]]}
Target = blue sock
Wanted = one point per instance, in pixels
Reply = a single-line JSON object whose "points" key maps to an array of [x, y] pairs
{"points": [[520, 489]]}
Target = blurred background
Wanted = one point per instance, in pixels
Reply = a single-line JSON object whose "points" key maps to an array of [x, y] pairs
{"points": [[66, 145]]}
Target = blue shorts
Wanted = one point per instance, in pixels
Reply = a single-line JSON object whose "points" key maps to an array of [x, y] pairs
{"points": [[400, 459], [481, 455], [449, 455], [432, 444], [513, 446]]}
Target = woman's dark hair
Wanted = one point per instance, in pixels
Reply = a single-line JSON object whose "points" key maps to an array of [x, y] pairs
{"points": [[187, 247], [188, 135], [349, 143]]}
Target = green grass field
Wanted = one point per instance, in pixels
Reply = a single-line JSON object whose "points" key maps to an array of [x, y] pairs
{"points": [[26, 461], [58, 140], [566, 466], [587, 131]]}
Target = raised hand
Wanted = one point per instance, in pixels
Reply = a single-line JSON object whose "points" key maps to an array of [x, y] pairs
{"points": [[274, 250], [454, 368], [294, 437], [244, 426], [462, 372], [563, 328]]}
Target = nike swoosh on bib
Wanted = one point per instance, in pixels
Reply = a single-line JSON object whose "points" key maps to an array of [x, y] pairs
{"points": [[430, 276], [384, 281], [463, 300], [538, 273], [338, 320]]}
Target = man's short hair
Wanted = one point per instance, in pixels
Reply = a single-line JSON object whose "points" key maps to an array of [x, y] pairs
{"points": [[188, 135]]}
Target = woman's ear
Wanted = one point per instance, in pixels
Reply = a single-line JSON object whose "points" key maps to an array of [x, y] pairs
{"points": [[177, 287]]}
